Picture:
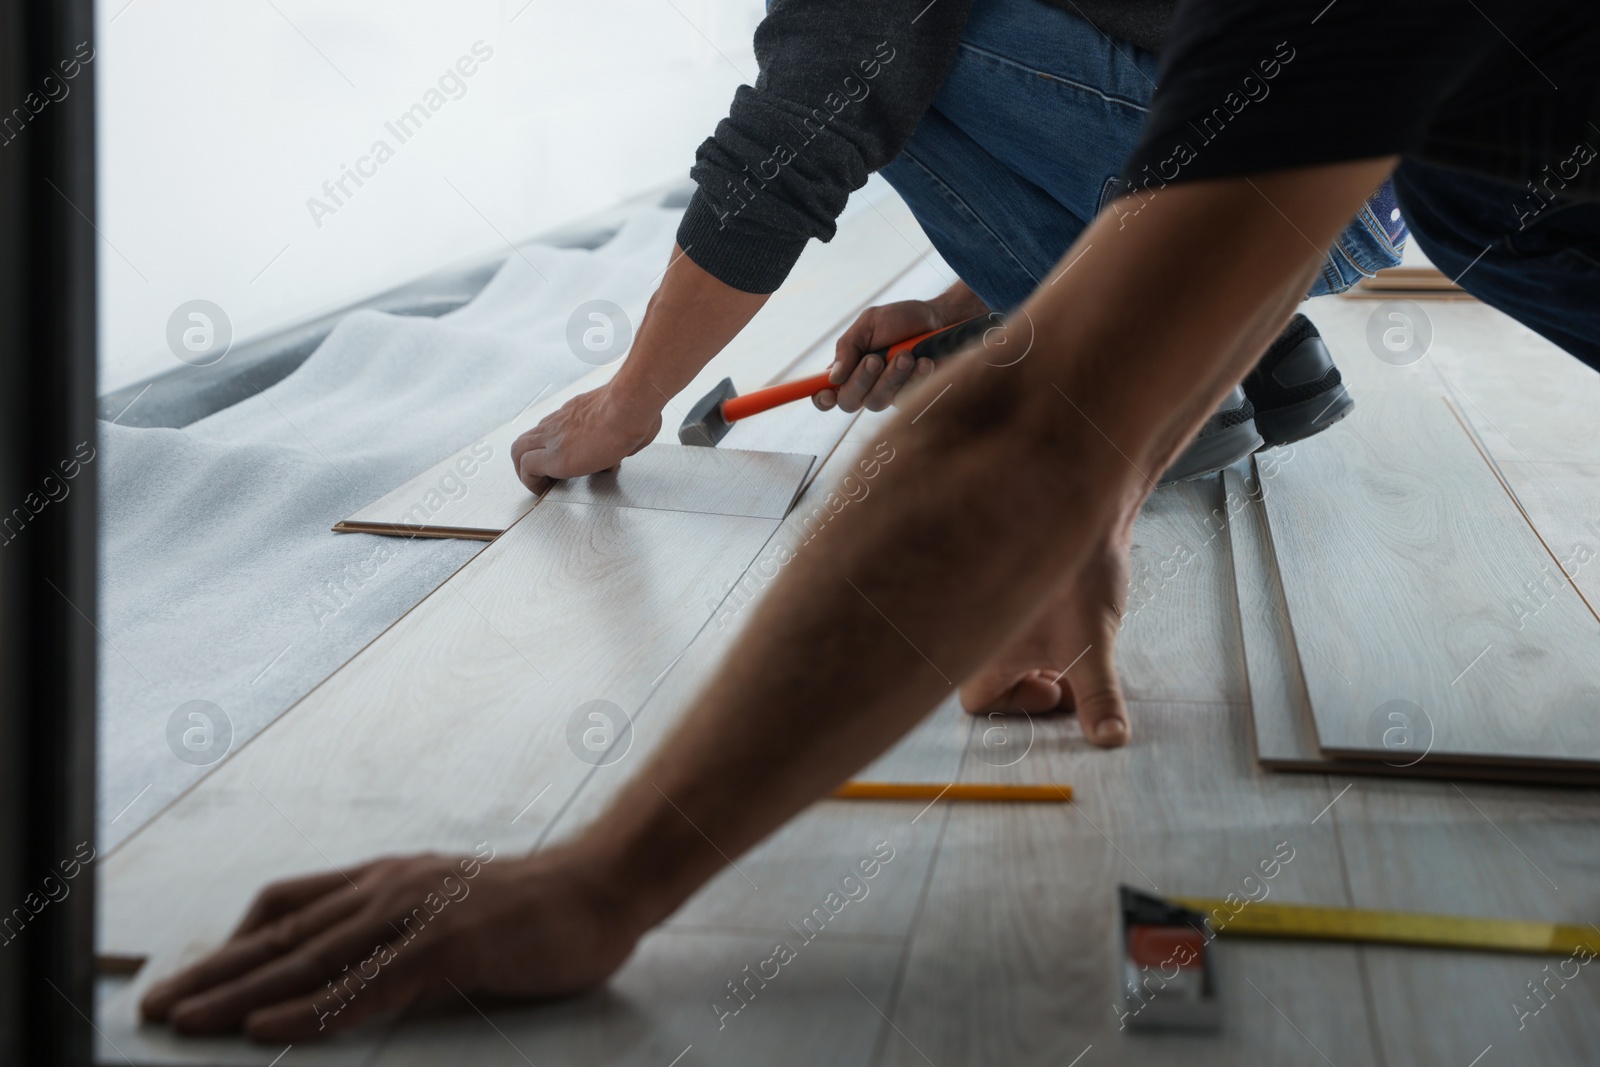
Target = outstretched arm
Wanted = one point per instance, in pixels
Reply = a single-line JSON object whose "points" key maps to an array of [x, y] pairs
{"points": [[998, 499]]}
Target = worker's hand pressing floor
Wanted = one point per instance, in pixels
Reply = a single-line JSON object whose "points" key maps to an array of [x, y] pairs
{"points": [[320, 955], [594, 431], [1063, 659]]}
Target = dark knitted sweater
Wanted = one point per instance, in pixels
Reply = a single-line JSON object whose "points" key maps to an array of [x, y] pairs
{"points": [[843, 83]]}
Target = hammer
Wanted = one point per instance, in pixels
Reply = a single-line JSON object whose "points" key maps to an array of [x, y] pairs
{"points": [[710, 419]]}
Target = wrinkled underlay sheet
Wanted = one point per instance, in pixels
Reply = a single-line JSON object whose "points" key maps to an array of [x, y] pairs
{"points": [[225, 597]]}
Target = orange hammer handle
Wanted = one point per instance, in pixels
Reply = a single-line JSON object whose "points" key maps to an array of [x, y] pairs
{"points": [[742, 407]]}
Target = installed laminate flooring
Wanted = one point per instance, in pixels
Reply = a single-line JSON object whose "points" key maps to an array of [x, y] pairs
{"points": [[1476, 850], [446, 727], [1014, 958], [989, 937]]}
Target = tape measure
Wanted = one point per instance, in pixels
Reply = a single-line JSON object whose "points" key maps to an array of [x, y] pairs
{"points": [[1312, 922]]}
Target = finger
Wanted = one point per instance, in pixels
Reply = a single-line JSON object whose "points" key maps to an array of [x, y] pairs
{"points": [[533, 470], [531, 439], [890, 382], [247, 954], [1096, 693], [852, 344], [919, 378], [826, 400], [395, 987], [291, 894], [308, 967], [865, 376], [1011, 692]]}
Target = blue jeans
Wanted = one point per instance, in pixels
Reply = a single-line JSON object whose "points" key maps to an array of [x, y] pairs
{"points": [[1536, 259], [1024, 144]]}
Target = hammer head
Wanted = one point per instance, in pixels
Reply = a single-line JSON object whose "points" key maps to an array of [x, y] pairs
{"points": [[704, 425]]}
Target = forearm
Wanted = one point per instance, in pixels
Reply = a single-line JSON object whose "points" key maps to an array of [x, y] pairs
{"points": [[691, 317], [1008, 483]]}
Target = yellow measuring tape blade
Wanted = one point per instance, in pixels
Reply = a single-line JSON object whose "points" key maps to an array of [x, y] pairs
{"points": [[1311, 922]]}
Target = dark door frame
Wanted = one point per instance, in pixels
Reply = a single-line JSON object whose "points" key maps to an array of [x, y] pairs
{"points": [[47, 533]]}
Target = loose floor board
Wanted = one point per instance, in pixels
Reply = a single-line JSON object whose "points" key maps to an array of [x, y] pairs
{"points": [[1401, 556], [1280, 708], [873, 246], [717, 481]]}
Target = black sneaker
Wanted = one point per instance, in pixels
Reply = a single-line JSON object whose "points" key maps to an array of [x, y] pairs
{"points": [[1296, 389], [1228, 436]]}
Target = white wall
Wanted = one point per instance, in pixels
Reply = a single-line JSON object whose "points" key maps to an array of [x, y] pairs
{"points": [[217, 122]]}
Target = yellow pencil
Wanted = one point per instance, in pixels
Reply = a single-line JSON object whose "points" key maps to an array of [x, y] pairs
{"points": [[1054, 793]]}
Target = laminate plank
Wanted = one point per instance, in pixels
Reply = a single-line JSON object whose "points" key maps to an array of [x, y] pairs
{"points": [[121, 1038], [1480, 851], [1529, 401], [821, 1008], [1180, 632], [717, 481], [1407, 283], [1400, 555], [1562, 500], [450, 729], [659, 1003], [1014, 958], [473, 494], [874, 245], [783, 878], [1280, 707]]}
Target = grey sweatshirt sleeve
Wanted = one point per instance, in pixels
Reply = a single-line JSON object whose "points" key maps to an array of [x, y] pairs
{"points": [[842, 85]]}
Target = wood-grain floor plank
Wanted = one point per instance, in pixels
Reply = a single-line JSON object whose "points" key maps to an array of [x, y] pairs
{"points": [[1280, 707], [782, 879], [1492, 852], [446, 728], [1180, 631], [1014, 957], [717, 481], [1402, 557], [821, 1008]]}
